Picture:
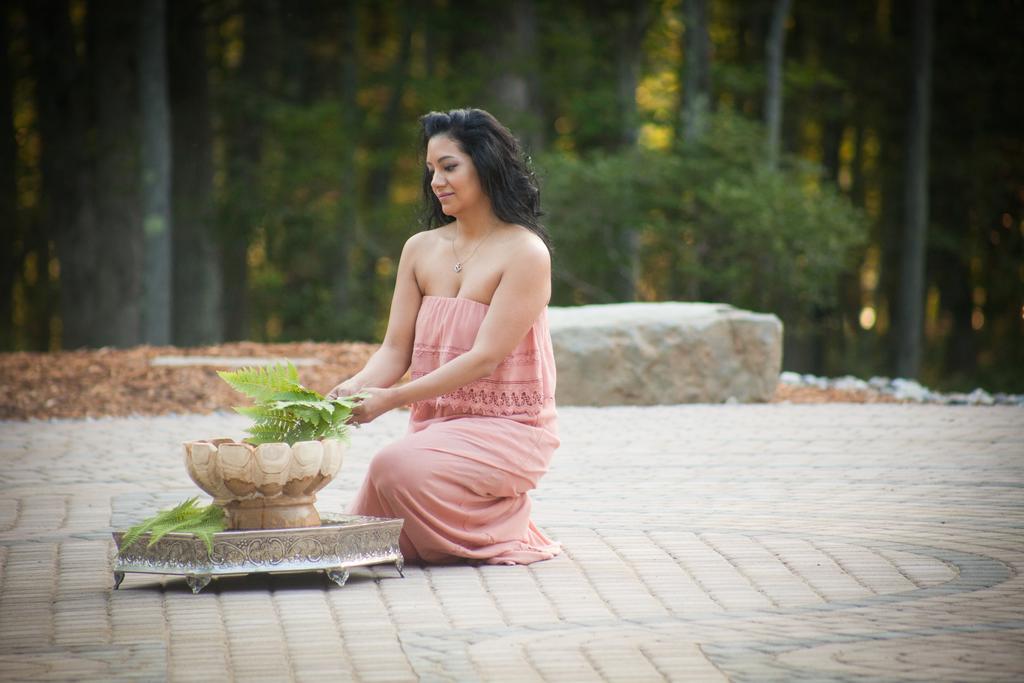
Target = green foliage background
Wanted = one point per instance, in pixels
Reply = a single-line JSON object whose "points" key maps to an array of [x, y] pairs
{"points": [[314, 106]]}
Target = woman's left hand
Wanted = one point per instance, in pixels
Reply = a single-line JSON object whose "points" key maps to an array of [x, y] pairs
{"points": [[377, 402]]}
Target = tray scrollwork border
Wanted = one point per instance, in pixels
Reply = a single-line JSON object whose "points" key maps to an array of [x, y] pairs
{"points": [[338, 544]]}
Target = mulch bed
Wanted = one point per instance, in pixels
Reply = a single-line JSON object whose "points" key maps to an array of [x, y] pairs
{"points": [[117, 382], [109, 382], [794, 394]]}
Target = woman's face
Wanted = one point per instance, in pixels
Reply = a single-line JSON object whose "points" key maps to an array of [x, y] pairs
{"points": [[455, 182]]}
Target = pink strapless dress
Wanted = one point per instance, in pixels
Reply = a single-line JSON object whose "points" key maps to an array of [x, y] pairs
{"points": [[460, 476]]}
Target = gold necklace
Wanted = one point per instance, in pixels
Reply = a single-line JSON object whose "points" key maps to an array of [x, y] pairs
{"points": [[459, 263]]}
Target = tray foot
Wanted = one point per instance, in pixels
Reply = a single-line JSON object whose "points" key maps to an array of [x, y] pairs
{"points": [[197, 582], [118, 578], [338, 576]]}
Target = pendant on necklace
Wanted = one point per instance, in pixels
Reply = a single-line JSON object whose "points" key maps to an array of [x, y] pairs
{"points": [[458, 268]]}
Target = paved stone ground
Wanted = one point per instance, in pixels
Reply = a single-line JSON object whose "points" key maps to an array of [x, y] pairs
{"points": [[751, 543]]}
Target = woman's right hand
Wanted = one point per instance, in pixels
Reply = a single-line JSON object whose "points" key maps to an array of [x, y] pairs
{"points": [[346, 388]]}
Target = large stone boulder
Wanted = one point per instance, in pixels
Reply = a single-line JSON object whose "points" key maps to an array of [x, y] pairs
{"points": [[664, 353]]}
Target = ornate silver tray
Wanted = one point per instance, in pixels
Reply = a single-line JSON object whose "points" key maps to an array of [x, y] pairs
{"points": [[338, 544]]}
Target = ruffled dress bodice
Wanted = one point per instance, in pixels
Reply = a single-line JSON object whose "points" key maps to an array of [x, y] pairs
{"points": [[522, 387]]}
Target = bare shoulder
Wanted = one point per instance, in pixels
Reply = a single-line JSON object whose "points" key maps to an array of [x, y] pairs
{"points": [[421, 240], [419, 245], [527, 251]]}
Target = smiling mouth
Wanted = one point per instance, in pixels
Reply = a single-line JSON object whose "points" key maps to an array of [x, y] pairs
{"points": [[443, 196]]}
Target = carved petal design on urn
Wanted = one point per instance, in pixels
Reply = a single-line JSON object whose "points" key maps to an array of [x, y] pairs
{"points": [[331, 463], [237, 466], [269, 486], [201, 463], [272, 463], [304, 469]]}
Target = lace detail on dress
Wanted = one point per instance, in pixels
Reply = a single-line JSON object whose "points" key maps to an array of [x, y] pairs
{"points": [[489, 397], [473, 401]]}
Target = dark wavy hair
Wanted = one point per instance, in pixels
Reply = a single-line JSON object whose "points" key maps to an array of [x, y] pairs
{"points": [[505, 174]]}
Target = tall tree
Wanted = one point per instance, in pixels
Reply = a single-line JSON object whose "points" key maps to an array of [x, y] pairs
{"points": [[65, 207], [514, 58], [911, 300], [383, 141], [156, 172], [774, 52], [351, 121], [696, 70], [244, 137], [117, 318], [630, 22], [384, 145], [11, 260], [196, 258]]}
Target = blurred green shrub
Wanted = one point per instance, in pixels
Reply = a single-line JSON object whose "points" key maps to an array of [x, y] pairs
{"points": [[703, 222]]}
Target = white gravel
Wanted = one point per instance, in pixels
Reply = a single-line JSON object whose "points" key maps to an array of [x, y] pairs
{"points": [[902, 389]]}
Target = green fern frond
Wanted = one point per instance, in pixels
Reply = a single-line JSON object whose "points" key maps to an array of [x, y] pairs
{"points": [[263, 429], [341, 414], [205, 534], [301, 393], [297, 435], [279, 420], [337, 432], [349, 401], [263, 411], [320, 403], [197, 518], [182, 511], [136, 531], [186, 517], [262, 383], [284, 410], [314, 412]]}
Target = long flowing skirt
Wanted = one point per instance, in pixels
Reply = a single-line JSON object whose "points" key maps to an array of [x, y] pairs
{"points": [[461, 486]]}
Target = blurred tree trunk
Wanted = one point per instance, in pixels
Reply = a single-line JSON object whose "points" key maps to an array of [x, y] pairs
{"points": [[10, 262], [849, 282], [119, 257], [886, 123], [433, 41], [65, 209], [630, 23], [857, 163], [747, 33], [244, 133], [954, 280], [156, 172], [774, 55], [383, 145], [695, 106], [912, 284], [196, 258], [383, 150], [832, 141], [516, 59], [696, 71], [341, 263]]}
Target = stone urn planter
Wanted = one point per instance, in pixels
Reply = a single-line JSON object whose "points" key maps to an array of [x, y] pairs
{"points": [[270, 486]]}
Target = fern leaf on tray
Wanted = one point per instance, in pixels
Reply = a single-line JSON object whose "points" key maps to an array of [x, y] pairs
{"points": [[186, 517]]}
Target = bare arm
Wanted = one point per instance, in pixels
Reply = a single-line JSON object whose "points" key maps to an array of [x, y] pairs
{"points": [[391, 360], [522, 294]]}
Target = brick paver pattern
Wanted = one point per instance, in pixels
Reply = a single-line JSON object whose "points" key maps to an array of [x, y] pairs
{"points": [[746, 543]]}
